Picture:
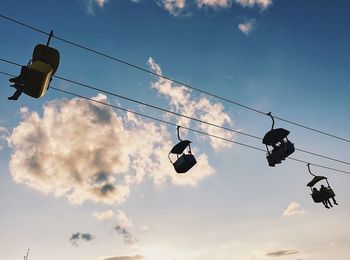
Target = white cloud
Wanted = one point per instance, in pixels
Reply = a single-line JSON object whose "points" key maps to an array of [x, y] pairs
{"points": [[214, 3], [123, 220], [103, 216], [91, 4], [294, 208], [263, 4], [101, 3], [120, 216], [247, 27], [175, 7], [181, 101], [82, 150], [3, 136]]}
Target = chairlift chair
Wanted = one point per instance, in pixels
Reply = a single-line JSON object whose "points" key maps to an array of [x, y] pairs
{"points": [[184, 161], [320, 195], [37, 75], [281, 146]]}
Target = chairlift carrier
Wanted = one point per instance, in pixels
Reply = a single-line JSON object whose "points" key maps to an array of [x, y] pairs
{"points": [[44, 64], [282, 147], [321, 195], [184, 162]]}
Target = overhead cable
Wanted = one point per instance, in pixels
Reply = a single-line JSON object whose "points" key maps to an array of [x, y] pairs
{"points": [[172, 80], [176, 113], [187, 128]]}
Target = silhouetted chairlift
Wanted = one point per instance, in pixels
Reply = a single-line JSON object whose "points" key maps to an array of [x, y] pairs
{"points": [[322, 194], [186, 161], [281, 146], [35, 78]]}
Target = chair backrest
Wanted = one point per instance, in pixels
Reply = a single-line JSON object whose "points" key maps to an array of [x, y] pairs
{"points": [[48, 55]]}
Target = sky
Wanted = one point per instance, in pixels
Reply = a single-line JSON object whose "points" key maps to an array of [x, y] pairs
{"points": [[82, 180]]}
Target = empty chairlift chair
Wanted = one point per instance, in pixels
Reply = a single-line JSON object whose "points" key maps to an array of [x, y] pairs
{"points": [[35, 78], [184, 161], [281, 146]]}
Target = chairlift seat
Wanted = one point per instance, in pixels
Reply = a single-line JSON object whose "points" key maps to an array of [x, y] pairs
{"points": [[275, 135], [275, 156], [48, 55], [272, 161], [289, 148], [37, 79], [322, 195], [184, 163], [180, 147], [319, 196], [330, 192]]}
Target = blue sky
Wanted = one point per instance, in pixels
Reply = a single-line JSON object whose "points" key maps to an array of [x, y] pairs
{"points": [[288, 57]]}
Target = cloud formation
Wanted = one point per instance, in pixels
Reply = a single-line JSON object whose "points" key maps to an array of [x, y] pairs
{"points": [[103, 216], [123, 220], [247, 27], [75, 237], [182, 101], [3, 136], [214, 3], [101, 3], [136, 257], [293, 209], [91, 4], [82, 150], [128, 238], [174, 7], [282, 253], [123, 225], [263, 4]]}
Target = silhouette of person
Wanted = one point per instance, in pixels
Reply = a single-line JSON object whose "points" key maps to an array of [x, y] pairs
{"points": [[334, 201], [18, 84], [315, 194], [329, 189], [326, 202]]}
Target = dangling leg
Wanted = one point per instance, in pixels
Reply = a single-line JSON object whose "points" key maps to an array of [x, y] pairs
{"points": [[15, 79], [329, 202], [14, 86], [334, 201], [17, 94], [19, 79], [325, 204]]}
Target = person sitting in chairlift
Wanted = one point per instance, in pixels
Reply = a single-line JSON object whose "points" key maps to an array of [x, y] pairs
{"points": [[18, 84], [327, 201], [315, 193]]}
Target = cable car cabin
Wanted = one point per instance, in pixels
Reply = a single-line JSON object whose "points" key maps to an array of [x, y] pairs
{"points": [[324, 193], [281, 146], [184, 162], [35, 78]]}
